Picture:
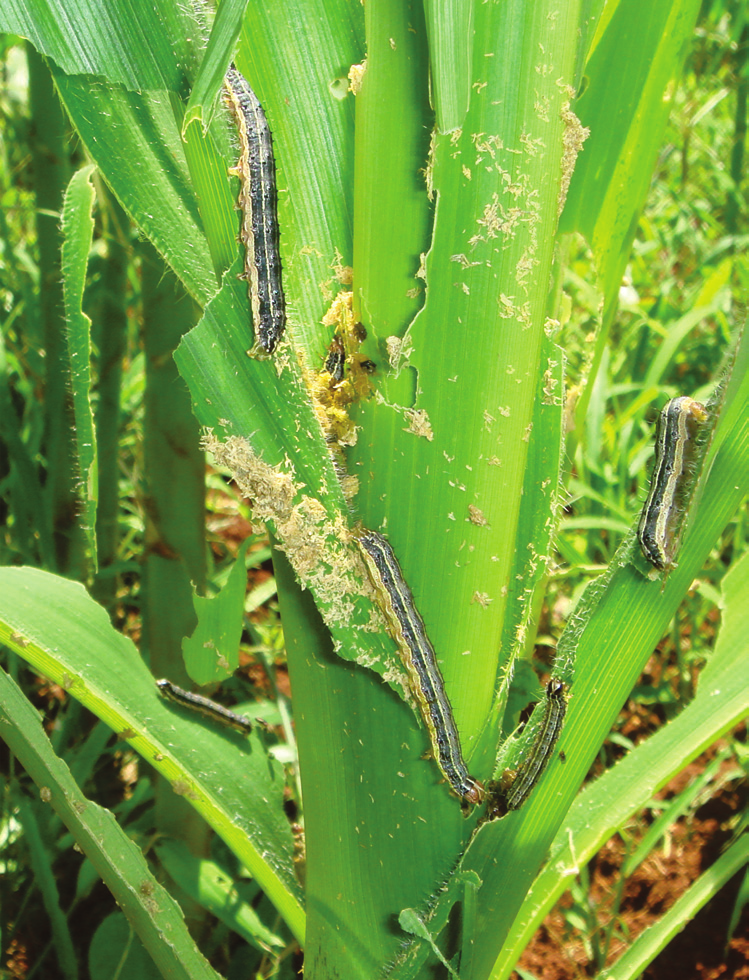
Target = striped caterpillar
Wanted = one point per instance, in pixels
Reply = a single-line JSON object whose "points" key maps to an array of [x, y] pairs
{"points": [[204, 706], [662, 518], [258, 198], [532, 767], [502, 798], [408, 631]]}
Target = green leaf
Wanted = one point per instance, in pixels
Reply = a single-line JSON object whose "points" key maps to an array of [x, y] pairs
{"points": [[75, 645], [631, 75], [607, 661], [393, 212], [742, 898], [135, 44], [78, 230], [210, 76], [613, 631], [212, 652], [116, 951], [450, 30], [445, 480], [410, 921], [150, 909], [214, 191], [210, 886], [142, 158], [281, 462], [722, 700]]}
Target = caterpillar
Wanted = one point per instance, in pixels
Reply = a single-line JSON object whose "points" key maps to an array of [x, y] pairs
{"points": [[258, 199], [532, 767], [662, 518], [510, 793], [416, 651], [204, 706]]}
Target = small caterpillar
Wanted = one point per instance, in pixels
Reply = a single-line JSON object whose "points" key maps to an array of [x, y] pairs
{"points": [[204, 706], [408, 631], [258, 198], [510, 793], [532, 767], [662, 518]]}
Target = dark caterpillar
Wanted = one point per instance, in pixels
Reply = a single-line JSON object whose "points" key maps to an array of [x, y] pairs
{"points": [[662, 518], [258, 199]]}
